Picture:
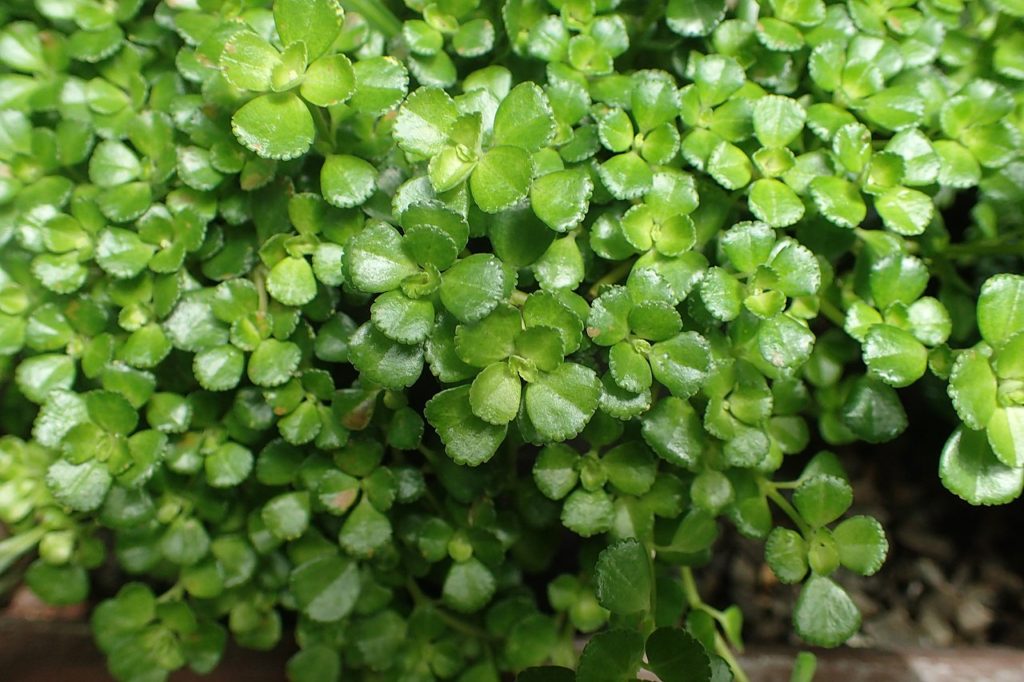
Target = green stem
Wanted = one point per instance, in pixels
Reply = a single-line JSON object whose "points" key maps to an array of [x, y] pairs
{"points": [[325, 135], [376, 14], [832, 312], [723, 650], [1011, 245], [649, 623], [175, 593], [611, 277], [457, 624], [259, 280], [690, 588], [721, 646], [782, 503], [13, 547]]}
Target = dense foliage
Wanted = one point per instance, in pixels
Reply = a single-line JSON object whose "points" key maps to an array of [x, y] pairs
{"points": [[443, 333]]}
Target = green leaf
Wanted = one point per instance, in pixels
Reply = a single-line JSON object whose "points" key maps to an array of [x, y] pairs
{"points": [[561, 266], [894, 355], [495, 393], [775, 203], [784, 342], [675, 655], [424, 121], [38, 375], [329, 80], [389, 363], [560, 403], [491, 339], [291, 281], [797, 269], [1005, 432], [674, 432], [555, 470], [274, 126], [779, 36], [777, 120], [623, 578], [785, 552], [897, 278], [957, 166], [905, 211], [804, 667], [626, 176], [629, 368], [970, 470], [561, 199], [219, 368], [468, 586], [365, 532], [121, 253], [824, 614], [467, 438], [381, 83], [655, 99], [314, 22], [248, 61], [473, 287], [611, 656], [840, 202], [113, 163], [375, 260], [1001, 308], [542, 346], [822, 499], [729, 166], [287, 515], [228, 465], [273, 362], [681, 363], [82, 487], [615, 130], [588, 513], [347, 181], [314, 664], [873, 411], [523, 119], [21, 47], [501, 178], [973, 389], [862, 544], [694, 17], [196, 170], [58, 585], [402, 319]]}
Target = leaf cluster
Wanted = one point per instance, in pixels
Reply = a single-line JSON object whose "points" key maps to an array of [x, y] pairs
{"points": [[360, 315]]}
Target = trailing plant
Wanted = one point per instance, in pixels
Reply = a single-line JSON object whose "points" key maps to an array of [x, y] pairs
{"points": [[435, 335]]}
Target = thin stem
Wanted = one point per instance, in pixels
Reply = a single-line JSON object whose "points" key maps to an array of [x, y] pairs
{"points": [[457, 624], [259, 279], [782, 503], [13, 547], [832, 312], [723, 650], [611, 277], [325, 134], [690, 588], [1009, 245], [721, 646], [376, 14], [174, 593], [649, 619]]}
